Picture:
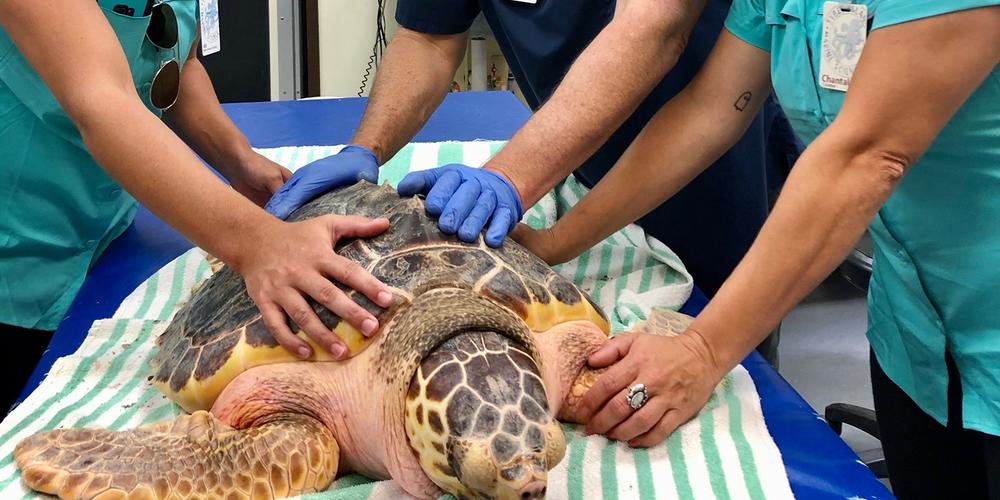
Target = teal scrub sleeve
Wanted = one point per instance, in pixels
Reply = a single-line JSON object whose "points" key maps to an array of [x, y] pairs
{"points": [[746, 22], [892, 12]]}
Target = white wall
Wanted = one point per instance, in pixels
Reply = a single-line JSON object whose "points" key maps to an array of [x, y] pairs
{"points": [[346, 36], [272, 14]]}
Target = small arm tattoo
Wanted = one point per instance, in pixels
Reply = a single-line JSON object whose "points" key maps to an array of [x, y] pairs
{"points": [[742, 101]]}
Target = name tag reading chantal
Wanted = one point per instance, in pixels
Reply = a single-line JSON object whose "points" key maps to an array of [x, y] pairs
{"points": [[845, 28]]}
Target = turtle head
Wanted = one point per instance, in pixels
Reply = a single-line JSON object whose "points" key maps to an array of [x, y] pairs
{"points": [[478, 420], [485, 469]]}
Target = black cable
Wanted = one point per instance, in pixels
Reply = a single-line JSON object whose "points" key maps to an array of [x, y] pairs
{"points": [[380, 43]]}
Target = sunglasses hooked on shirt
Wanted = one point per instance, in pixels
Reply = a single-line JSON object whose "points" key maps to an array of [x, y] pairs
{"points": [[162, 33]]}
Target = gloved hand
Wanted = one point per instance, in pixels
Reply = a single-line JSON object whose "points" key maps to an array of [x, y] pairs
{"points": [[465, 199], [350, 165]]}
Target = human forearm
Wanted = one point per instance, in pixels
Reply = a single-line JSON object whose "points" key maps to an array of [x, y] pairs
{"points": [[411, 82], [689, 133], [190, 198], [838, 184], [827, 201], [831, 195], [662, 160], [602, 88], [844, 177], [75, 51], [199, 119], [99, 96]]}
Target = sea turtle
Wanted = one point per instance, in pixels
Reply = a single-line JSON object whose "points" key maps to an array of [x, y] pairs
{"points": [[458, 391]]}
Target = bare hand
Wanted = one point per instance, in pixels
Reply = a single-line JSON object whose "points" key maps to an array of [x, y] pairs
{"points": [[679, 373], [541, 242], [299, 261], [257, 178]]}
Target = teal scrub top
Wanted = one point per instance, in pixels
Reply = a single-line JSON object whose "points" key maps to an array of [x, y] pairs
{"points": [[60, 209], [936, 275]]}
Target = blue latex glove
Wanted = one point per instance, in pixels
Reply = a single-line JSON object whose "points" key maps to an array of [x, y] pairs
{"points": [[350, 165], [465, 199]]}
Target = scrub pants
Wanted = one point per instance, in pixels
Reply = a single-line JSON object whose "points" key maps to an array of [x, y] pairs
{"points": [[929, 460], [18, 358]]}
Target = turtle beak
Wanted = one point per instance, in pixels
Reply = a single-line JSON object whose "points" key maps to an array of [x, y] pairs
{"points": [[534, 489], [523, 479]]}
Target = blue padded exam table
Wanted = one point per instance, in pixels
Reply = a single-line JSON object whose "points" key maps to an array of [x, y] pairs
{"points": [[819, 464]]}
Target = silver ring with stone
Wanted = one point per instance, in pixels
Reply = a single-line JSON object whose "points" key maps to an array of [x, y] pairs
{"points": [[636, 396]]}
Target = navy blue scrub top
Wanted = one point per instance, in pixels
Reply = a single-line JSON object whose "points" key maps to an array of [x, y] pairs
{"points": [[711, 223]]}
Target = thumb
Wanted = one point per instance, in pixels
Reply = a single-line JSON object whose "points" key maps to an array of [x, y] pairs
{"points": [[613, 350], [417, 182], [368, 174], [283, 203], [355, 226], [305, 185]]}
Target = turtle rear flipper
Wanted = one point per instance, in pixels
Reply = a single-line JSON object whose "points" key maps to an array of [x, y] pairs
{"points": [[194, 456]]}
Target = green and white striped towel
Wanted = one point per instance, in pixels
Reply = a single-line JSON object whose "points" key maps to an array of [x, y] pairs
{"points": [[725, 452]]}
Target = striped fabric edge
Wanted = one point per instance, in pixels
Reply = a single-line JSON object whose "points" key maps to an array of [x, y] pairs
{"points": [[101, 385]]}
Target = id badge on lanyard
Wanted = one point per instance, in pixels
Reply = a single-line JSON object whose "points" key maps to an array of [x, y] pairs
{"points": [[845, 29], [208, 18]]}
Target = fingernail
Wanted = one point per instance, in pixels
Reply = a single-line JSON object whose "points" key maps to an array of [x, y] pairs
{"points": [[368, 326], [303, 352], [338, 350], [384, 299]]}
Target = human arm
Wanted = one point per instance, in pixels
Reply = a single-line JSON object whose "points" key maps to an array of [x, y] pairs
{"points": [[621, 66], [685, 136], [198, 118], [411, 81], [602, 88], [76, 53], [836, 187]]}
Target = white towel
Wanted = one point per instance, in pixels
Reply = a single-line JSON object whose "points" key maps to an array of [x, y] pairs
{"points": [[724, 452]]}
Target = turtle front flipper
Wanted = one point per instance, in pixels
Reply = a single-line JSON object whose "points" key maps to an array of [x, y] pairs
{"points": [[662, 322], [194, 456]]}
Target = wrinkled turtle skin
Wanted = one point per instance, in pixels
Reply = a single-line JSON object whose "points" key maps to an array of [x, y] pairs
{"points": [[460, 389]]}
